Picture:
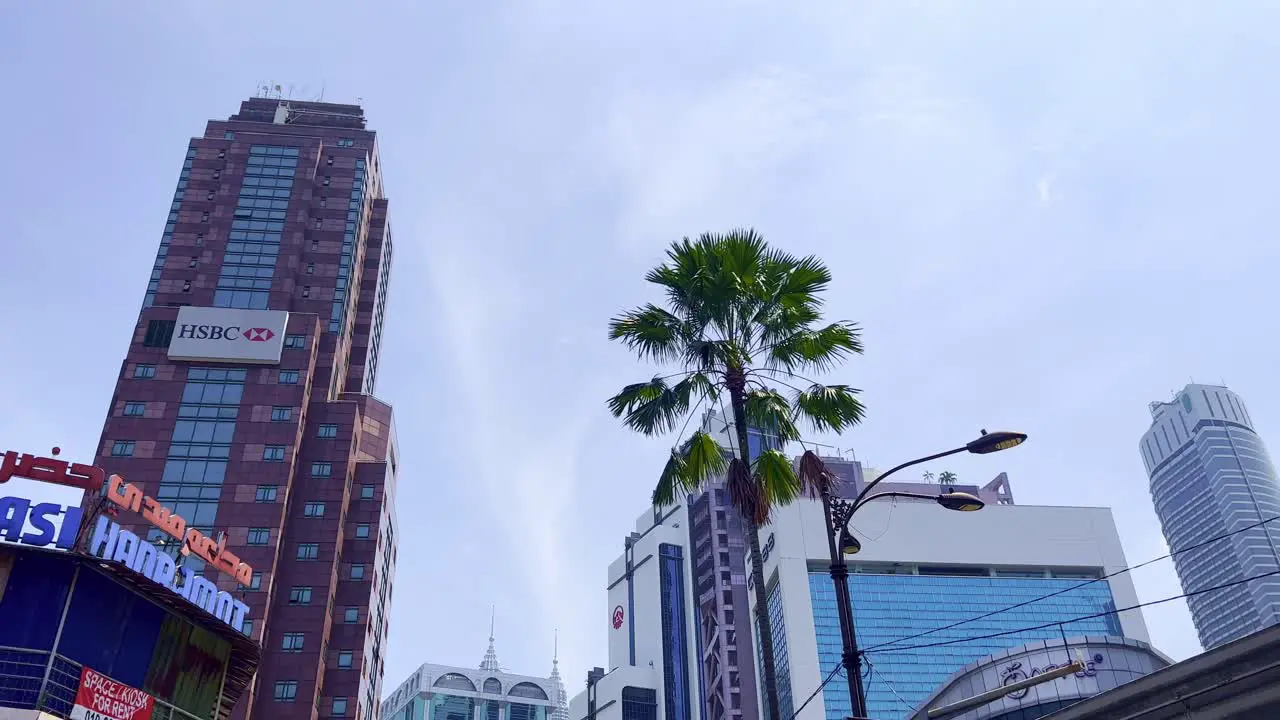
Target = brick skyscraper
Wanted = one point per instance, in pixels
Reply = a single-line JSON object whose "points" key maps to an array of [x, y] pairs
{"points": [[245, 401]]}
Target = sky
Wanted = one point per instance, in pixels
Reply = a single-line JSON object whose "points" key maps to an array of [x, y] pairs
{"points": [[1044, 216]]}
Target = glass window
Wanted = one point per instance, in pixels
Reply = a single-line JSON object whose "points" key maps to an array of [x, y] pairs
{"points": [[144, 372], [286, 690], [308, 551], [135, 409], [357, 572], [288, 377], [281, 414], [292, 642], [258, 536], [295, 342], [247, 628], [255, 582], [351, 615], [266, 494], [159, 333], [345, 658], [313, 509], [273, 453], [321, 469], [300, 595], [327, 431], [122, 448], [362, 531], [366, 492], [339, 707]]}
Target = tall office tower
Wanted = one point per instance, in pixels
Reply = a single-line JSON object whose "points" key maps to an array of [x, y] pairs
{"points": [[245, 404], [449, 692], [653, 654], [923, 573], [1211, 475]]}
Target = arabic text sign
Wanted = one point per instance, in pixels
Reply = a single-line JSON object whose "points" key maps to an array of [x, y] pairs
{"points": [[101, 698], [51, 470]]}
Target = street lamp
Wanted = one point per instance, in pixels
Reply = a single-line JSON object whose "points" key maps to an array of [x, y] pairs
{"points": [[841, 542]]}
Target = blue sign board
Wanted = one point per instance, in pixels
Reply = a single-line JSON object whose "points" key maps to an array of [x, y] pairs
{"points": [[22, 521]]}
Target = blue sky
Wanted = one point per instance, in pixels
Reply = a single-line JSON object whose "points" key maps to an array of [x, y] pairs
{"points": [[1045, 215]]}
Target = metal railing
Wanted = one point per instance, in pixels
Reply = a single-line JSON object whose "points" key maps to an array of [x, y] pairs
{"points": [[29, 681]]}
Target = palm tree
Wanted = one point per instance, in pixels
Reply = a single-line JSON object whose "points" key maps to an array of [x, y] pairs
{"points": [[739, 317], [946, 477]]}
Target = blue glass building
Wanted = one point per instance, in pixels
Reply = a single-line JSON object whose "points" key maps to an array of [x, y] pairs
{"points": [[890, 607], [1211, 475]]}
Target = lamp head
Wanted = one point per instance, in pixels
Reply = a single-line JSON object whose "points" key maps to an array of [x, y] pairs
{"points": [[849, 544], [961, 501], [995, 442]]}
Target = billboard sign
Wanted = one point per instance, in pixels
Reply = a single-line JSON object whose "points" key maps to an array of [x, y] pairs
{"points": [[101, 698], [41, 524], [228, 335]]}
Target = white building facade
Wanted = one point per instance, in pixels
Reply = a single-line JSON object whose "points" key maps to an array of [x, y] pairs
{"points": [[922, 568], [651, 610], [1211, 476]]}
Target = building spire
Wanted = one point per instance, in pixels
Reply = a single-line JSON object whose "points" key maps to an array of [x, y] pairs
{"points": [[490, 661], [560, 698]]}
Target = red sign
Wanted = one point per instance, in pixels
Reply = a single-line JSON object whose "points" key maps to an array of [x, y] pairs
{"points": [[101, 698], [618, 615]]}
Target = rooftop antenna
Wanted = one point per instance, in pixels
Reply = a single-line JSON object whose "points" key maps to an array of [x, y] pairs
{"points": [[490, 661]]}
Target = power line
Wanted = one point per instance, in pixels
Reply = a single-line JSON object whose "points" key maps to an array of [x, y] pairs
{"points": [[889, 685], [831, 676], [1074, 587], [882, 649]]}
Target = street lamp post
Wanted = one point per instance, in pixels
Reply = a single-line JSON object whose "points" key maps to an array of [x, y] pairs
{"points": [[840, 542]]}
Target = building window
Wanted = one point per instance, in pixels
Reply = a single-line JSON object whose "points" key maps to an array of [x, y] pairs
{"points": [[273, 453], [327, 431], [195, 262], [281, 414], [327, 180], [362, 532], [186, 286], [345, 658], [122, 448], [286, 690], [266, 494], [357, 572], [308, 551], [295, 342], [258, 536], [247, 627], [292, 642], [311, 268], [255, 582], [300, 596], [321, 469], [144, 372], [306, 291], [313, 509], [228, 135], [339, 707], [159, 333], [366, 492], [135, 409], [288, 377], [351, 615]]}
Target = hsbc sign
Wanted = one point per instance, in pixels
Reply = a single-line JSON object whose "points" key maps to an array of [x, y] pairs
{"points": [[224, 334]]}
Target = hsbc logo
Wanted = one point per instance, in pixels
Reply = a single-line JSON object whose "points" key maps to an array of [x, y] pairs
{"points": [[228, 334]]}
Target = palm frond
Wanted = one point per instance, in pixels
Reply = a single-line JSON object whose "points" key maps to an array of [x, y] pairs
{"points": [[770, 412], [744, 493], [820, 349], [815, 477], [655, 407], [830, 408], [690, 466], [777, 481], [651, 332]]}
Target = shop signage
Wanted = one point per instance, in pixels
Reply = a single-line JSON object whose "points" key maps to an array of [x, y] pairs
{"points": [[246, 336], [129, 497], [22, 521], [618, 616], [113, 543], [51, 470], [101, 698], [1015, 672]]}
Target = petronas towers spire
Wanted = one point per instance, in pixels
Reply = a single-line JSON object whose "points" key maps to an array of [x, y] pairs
{"points": [[490, 661], [559, 698]]}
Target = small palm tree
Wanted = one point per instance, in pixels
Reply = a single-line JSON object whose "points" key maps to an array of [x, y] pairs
{"points": [[946, 477], [738, 318]]}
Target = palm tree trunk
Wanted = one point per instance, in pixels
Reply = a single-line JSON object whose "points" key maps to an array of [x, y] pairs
{"points": [[736, 382]]}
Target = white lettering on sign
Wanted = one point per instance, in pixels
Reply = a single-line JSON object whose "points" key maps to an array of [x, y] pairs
{"points": [[226, 334]]}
